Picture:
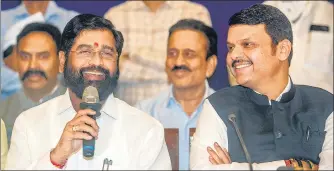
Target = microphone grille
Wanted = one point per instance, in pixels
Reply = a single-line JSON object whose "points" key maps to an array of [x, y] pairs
{"points": [[90, 95], [232, 117]]}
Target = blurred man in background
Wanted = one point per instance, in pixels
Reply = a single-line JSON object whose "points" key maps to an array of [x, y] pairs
{"points": [[52, 13], [145, 25], [312, 24], [38, 64], [10, 82], [191, 59]]}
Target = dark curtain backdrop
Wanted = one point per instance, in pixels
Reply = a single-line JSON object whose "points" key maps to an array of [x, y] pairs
{"points": [[220, 12]]}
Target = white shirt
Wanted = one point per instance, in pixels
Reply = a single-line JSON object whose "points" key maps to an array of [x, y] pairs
{"points": [[211, 128], [130, 138], [4, 145], [145, 40]]}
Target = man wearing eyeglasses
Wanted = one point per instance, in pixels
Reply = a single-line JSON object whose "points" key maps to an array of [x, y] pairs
{"points": [[50, 136]]}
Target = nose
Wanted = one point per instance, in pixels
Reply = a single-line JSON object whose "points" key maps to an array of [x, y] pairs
{"points": [[96, 59], [179, 60], [236, 53], [33, 63]]}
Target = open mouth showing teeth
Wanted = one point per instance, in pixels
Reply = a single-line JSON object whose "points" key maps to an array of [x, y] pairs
{"points": [[242, 66], [93, 73]]}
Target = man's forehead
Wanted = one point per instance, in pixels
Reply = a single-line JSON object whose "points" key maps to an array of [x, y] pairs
{"points": [[187, 38], [94, 45], [95, 39], [243, 32]]}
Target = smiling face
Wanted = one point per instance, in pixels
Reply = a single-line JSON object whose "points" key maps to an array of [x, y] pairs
{"points": [[92, 60], [251, 55], [186, 63]]}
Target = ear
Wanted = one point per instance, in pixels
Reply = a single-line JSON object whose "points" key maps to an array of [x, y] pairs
{"points": [[62, 60], [283, 49], [211, 65]]}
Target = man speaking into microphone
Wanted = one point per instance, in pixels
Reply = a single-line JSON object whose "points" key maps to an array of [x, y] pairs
{"points": [[267, 122], [64, 133]]}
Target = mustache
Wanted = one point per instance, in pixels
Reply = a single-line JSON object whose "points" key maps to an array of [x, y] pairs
{"points": [[75, 81], [182, 67], [240, 61], [33, 72]]}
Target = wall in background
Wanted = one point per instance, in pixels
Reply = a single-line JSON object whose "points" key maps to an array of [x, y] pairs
{"points": [[220, 12]]}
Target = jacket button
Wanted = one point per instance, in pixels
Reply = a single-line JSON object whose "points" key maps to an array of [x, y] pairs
{"points": [[278, 134]]}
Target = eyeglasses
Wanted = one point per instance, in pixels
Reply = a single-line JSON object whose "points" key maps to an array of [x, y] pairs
{"points": [[89, 54]]}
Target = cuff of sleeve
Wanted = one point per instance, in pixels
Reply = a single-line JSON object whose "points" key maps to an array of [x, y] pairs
{"points": [[270, 165], [45, 163]]}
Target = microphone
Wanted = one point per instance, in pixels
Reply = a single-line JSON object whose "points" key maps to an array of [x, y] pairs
{"points": [[90, 98], [233, 119]]}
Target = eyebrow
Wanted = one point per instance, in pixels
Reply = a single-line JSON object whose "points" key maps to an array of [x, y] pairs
{"points": [[25, 53], [84, 46], [187, 49], [44, 52], [108, 47], [242, 40]]}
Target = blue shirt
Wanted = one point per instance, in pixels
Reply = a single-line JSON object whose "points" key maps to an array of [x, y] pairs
{"points": [[10, 82], [54, 15], [169, 112]]}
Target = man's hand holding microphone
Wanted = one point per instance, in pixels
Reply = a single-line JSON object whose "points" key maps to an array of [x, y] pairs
{"points": [[74, 132]]}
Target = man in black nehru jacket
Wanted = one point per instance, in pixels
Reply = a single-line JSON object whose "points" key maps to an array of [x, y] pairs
{"points": [[282, 124]]}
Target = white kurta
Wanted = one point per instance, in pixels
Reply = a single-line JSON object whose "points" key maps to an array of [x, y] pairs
{"points": [[130, 138]]}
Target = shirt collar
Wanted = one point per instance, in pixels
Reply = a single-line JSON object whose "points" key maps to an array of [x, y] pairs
{"points": [[50, 94], [286, 89], [51, 11], [109, 107], [171, 99], [286, 95]]}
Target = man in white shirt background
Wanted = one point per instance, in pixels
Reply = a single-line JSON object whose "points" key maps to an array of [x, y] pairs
{"points": [[54, 130], [312, 24]]}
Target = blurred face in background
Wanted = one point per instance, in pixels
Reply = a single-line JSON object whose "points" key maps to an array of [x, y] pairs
{"points": [[186, 63], [37, 61], [11, 60]]}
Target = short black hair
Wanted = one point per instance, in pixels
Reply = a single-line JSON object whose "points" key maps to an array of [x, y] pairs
{"points": [[8, 51], [84, 22], [277, 25], [52, 30], [196, 25]]}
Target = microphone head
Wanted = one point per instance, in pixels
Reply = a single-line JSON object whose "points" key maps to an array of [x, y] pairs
{"points": [[90, 95], [232, 117]]}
